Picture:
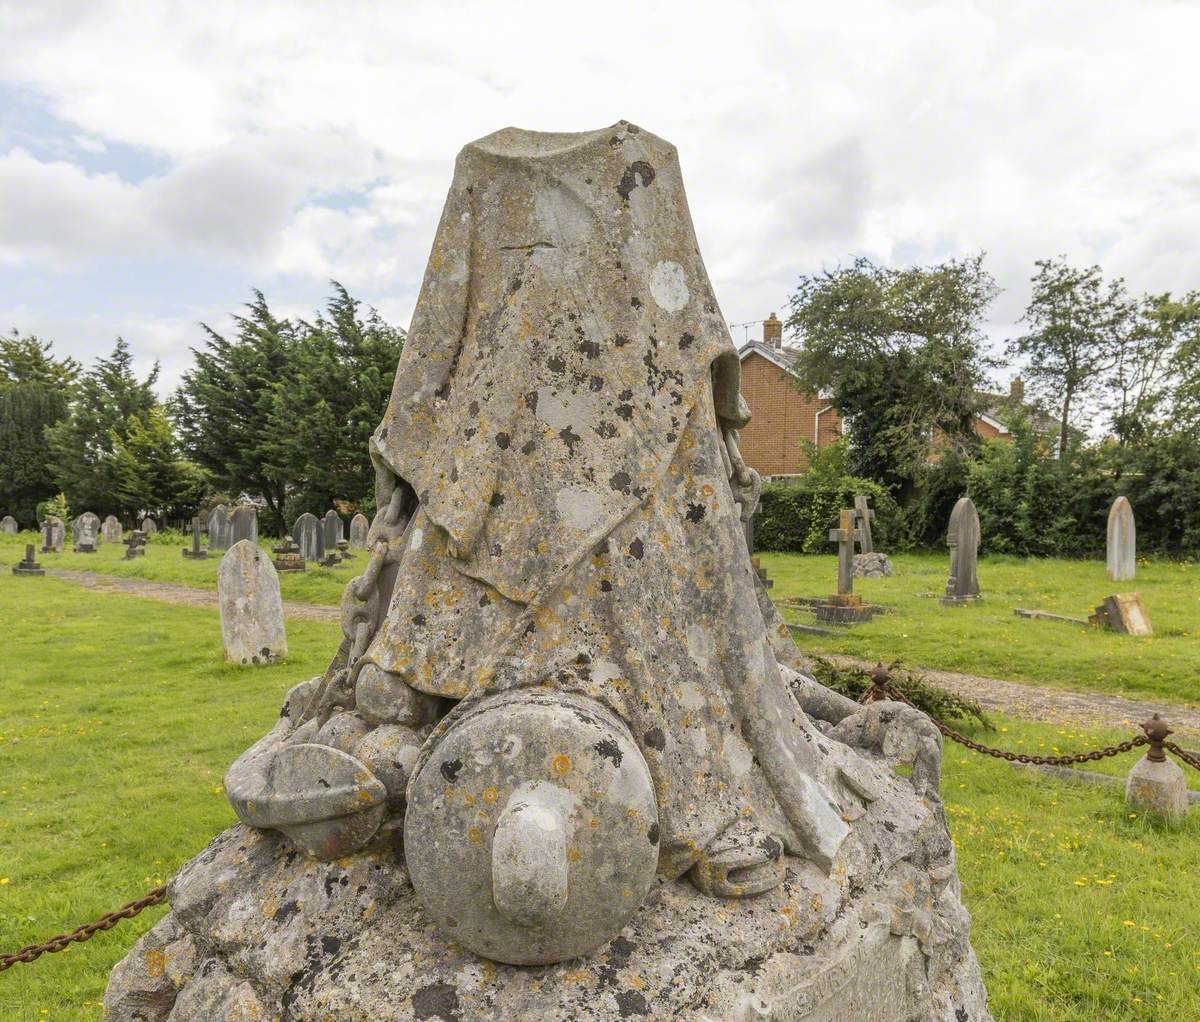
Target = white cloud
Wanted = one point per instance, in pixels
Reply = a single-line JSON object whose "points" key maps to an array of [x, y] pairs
{"points": [[308, 141]]}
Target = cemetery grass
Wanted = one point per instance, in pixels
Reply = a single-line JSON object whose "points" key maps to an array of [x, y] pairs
{"points": [[987, 638], [119, 720], [164, 562]]}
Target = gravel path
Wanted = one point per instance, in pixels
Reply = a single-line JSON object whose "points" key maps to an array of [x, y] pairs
{"points": [[183, 595], [1028, 702]]}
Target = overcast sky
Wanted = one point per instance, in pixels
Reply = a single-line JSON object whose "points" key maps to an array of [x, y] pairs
{"points": [[157, 161]]}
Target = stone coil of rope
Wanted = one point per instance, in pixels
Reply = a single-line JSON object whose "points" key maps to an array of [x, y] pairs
{"points": [[31, 952]]}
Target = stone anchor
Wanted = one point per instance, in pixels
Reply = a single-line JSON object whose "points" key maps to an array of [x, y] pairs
{"points": [[565, 726]]}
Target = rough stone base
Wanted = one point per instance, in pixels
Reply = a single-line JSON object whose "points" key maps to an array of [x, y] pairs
{"points": [[259, 931], [874, 565]]}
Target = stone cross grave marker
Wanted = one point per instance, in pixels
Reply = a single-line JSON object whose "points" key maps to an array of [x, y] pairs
{"points": [[359, 528], [196, 553], [251, 606], [29, 566], [8, 525], [963, 539], [111, 530], [219, 528], [135, 545], [1122, 541], [54, 535], [243, 523], [845, 536], [864, 515], [309, 536]]}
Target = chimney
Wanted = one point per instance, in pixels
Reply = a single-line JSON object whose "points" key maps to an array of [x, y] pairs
{"points": [[773, 332], [1016, 389]]}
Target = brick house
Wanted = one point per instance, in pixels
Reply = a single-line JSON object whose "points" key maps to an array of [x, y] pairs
{"points": [[784, 416]]}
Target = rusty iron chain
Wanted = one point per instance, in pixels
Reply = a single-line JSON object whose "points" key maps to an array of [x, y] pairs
{"points": [[31, 952], [1183, 754], [880, 689]]}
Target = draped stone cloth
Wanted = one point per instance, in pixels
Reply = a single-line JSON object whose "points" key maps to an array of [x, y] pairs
{"points": [[558, 411]]}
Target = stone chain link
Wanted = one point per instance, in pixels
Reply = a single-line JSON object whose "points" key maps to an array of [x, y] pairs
{"points": [[881, 689], [31, 952]]}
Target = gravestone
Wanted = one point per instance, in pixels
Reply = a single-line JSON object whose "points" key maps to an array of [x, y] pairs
{"points": [[149, 526], [845, 607], [1121, 557], [399, 859], [963, 539], [864, 515], [54, 535], [244, 523], [332, 529], [135, 545], [29, 566], [8, 525], [111, 530], [251, 606], [86, 521], [220, 528], [310, 537], [287, 556], [1124, 613], [359, 529], [195, 552]]}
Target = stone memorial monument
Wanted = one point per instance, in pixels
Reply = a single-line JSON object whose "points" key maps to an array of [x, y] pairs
{"points": [[28, 566], [251, 606], [243, 524], [149, 527], [332, 528], [1122, 541], [195, 552], [359, 527], [846, 607], [111, 530], [54, 535], [286, 555], [309, 536], [868, 562], [8, 526], [1124, 613], [135, 545], [87, 522], [565, 727], [220, 528], [963, 539]]}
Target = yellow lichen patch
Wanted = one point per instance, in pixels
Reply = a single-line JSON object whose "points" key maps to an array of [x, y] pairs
{"points": [[489, 795], [573, 854], [270, 907], [577, 976], [561, 764], [156, 963], [474, 835]]}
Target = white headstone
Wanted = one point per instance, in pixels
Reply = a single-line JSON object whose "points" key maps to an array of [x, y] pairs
{"points": [[251, 606], [149, 526], [1122, 541], [8, 525], [111, 530]]}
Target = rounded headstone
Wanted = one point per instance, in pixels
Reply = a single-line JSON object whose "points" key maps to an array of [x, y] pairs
{"points": [[309, 537], [531, 833], [111, 530], [8, 525], [360, 526], [251, 606], [243, 523], [149, 526], [219, 528], [1121, 558], [86, 528], [332, 528]]}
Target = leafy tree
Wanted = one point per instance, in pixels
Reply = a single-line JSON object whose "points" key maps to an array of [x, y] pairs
{"points": [[109, 405], [332, 399], [901, 354], [35, 388], [225, 408], [1079, 328]]}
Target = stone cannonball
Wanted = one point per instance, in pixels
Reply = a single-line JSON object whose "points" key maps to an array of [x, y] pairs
{"points": [[531, 833]]}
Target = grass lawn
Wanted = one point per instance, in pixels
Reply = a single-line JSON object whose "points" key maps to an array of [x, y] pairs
{"points": [[987, 638], [119, 719], [164, 562]]}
